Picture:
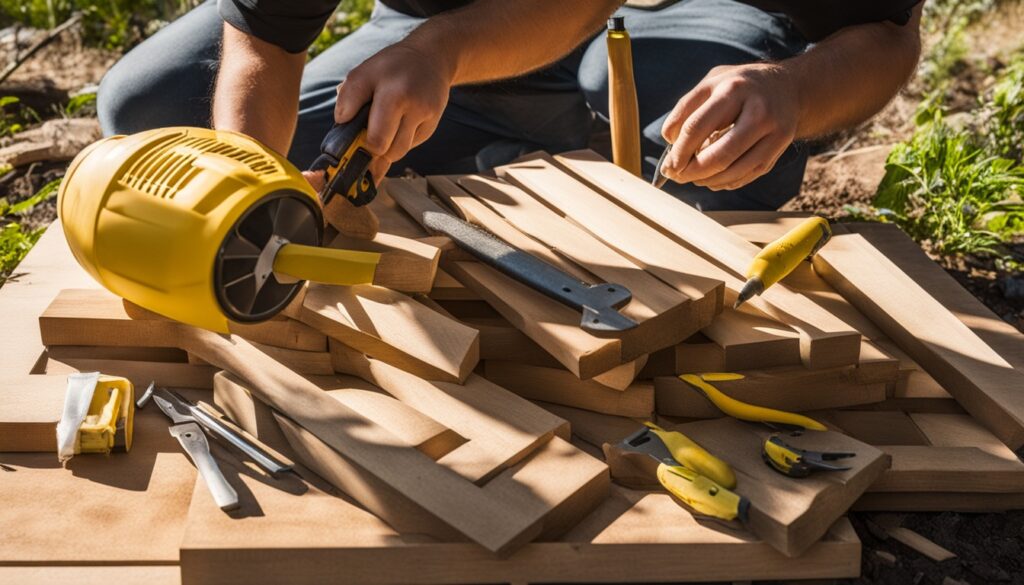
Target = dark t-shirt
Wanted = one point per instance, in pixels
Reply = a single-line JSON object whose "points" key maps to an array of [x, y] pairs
{"points": [[294, 24]]}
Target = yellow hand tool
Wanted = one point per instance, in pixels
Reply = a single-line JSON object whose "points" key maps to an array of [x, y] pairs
{"points": [[782, 256], [744, 411], [345, 162], [706, 495], [794, 462], [109, 422], [623, 110], [208, 226]]}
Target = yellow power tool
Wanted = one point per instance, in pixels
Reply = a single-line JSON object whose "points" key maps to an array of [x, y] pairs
{"points": [[207, 226], [782, 256]]}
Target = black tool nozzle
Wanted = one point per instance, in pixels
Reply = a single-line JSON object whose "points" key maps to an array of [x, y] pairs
{"points": [[617, 23]]}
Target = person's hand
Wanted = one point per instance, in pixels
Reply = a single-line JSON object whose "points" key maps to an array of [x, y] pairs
{"points": [[761, 104], [409, 89]]}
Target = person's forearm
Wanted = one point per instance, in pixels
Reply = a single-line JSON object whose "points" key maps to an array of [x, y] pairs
{"points": [[852, 75], [497, 39], [257, 90]]}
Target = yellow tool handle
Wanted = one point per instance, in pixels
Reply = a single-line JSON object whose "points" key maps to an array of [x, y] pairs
{"points": [[781, 457], [780, 257], [623, 110], [701, 493], [692, 455], [326, 265], [750, 412]]}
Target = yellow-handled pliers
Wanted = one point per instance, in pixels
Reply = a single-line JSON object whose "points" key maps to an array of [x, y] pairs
{"points": [[699, 480]]}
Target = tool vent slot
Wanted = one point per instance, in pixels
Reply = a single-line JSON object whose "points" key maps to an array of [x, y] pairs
{"points": [[167, 168]]}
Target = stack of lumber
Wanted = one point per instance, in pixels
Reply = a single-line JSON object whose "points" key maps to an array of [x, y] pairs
{"points": [[464, 419]]}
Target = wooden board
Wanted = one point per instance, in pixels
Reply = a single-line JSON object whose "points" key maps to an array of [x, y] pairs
{"points": [[788, 388], [825, 340], [141, 373], [51, 514], [393, 327], [552, 325], [981, 380], [477, 410], [665, 316], [749, 342], [407, 264], [759, 227], [561, 387], [411, 426], [790, 514], [295, 539]]}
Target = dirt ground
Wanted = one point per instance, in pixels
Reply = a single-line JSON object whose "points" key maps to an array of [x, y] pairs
{"points": [[844, 171]]}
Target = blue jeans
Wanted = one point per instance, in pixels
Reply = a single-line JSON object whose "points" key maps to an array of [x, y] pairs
{"points": [[168, 81]]}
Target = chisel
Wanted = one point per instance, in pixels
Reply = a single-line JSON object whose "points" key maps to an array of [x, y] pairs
{"points": [[782, 256]]}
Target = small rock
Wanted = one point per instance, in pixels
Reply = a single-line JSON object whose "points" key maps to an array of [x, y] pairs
{"points": [[1013, 287], [918, 578], [886, 557], [952, 581]]}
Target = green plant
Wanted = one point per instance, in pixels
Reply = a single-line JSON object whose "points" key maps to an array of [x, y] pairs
{"points": [[350, 15], [83, 104], [14, 116], [1004, 112], [943, 187], [15, 239], [114, 24]]}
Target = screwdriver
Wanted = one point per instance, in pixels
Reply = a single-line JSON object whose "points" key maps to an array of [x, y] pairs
{"points": [[782, 256]]}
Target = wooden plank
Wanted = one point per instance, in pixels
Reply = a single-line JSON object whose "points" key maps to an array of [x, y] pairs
{"points": [[135, 354], [759, 227], [175, 375], [825, 340], [438, 490], [29, 412], [665, 315], [561, 387], [393, 327], [908, 537], [446, 288], [406, 264], [477, 410], [791, 520], [949, 469], [938, 502], [595, 428], [284, 333], [787, 388], [751, 342], [411, 426], [296, 540], [51, 514], [958, 430], [499, 340], [1006, 340], [87, 575], [876, 428], [307, 363], [981, 380], [554, 326]]}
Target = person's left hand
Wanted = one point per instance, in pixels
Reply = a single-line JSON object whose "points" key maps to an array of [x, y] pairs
{"points": [[761, 104]]}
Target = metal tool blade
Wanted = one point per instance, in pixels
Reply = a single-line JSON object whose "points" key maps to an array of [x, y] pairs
{"points": [[175, 405], [194, 442], [646, 442], [240, 441], [597, 302], [172, 407]]}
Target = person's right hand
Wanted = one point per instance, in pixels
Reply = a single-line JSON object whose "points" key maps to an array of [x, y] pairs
{"points": [[409, 88]]}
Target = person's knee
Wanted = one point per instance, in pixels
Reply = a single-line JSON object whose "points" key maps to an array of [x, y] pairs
{"points": [[121, 101]]}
